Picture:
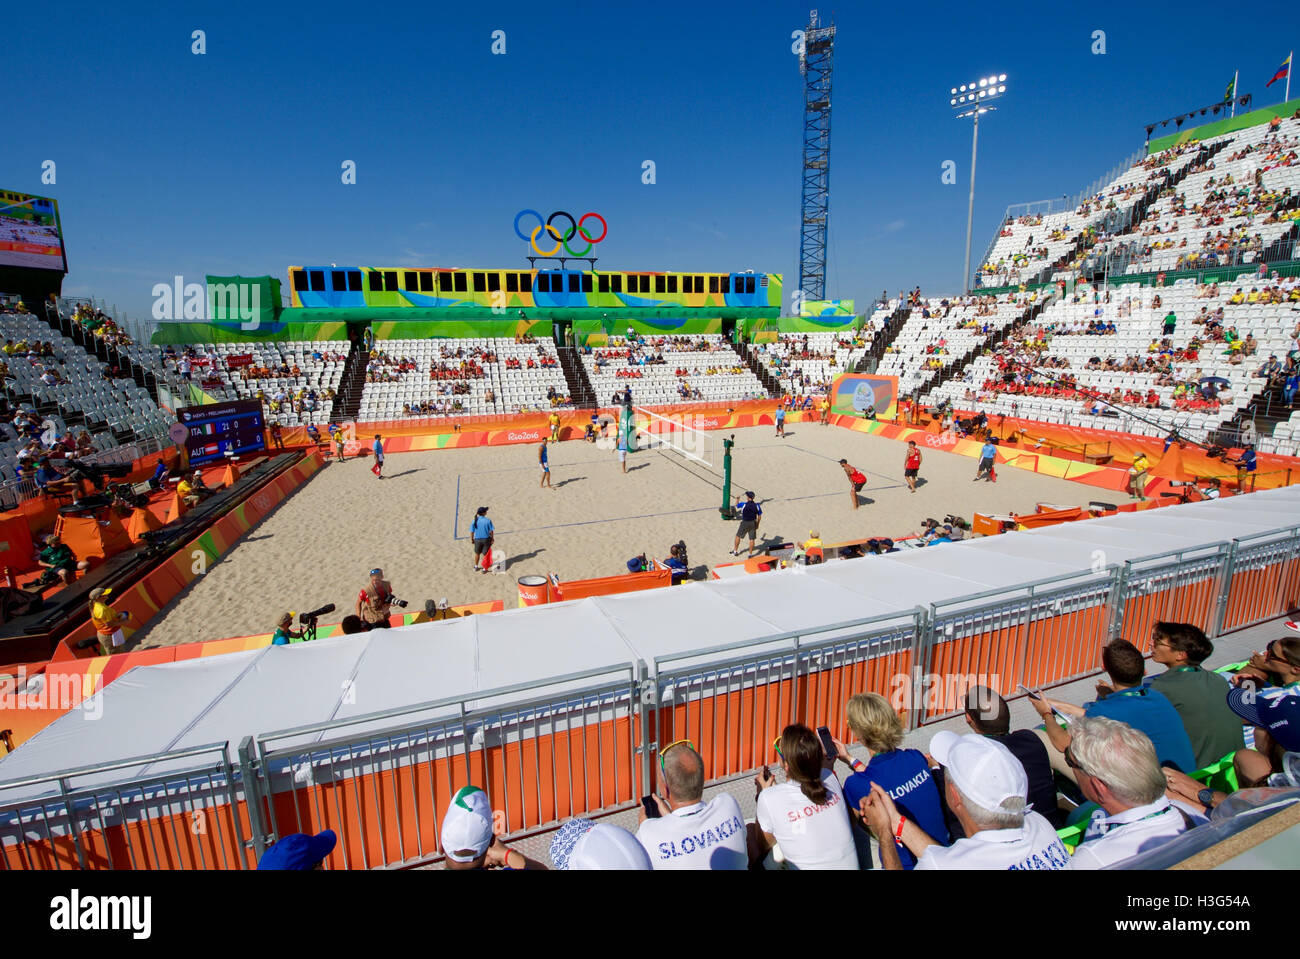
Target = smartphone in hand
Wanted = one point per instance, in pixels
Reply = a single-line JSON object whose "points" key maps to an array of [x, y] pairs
{"points": [[1028, 691], [828, 742], [651, 807]]}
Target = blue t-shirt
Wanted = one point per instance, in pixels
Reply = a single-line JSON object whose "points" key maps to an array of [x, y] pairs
{"points": [[988, 452], [1149, 711], [750, 511], [905, 775], [159, 471], [379, 447], [1248, 461], [780, 415], [481, 528], [543, 455]]}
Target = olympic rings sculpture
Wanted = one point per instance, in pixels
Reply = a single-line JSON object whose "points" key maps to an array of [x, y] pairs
{"points": [[561, 238]]}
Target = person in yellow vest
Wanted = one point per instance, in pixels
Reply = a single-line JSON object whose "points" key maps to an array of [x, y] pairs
{"points": [[825, 408], [107, 622], [813, 542], [1137, 476], [554, 420]]}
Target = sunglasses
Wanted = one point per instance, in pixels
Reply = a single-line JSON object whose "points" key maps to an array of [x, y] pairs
{"points": [[663, 752], [1270, 654]]}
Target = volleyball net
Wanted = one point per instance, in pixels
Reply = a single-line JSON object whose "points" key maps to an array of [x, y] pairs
{"points": [[674, 435]]}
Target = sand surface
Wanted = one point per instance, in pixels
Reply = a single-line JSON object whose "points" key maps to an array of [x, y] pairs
{"points": [[318, 546]]}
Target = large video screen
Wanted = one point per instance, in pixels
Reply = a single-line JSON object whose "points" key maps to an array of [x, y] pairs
{"points": [[30, 235], [221, 429]]}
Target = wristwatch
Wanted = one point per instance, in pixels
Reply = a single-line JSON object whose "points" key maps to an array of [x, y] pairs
{"points": [[1206, 798]]}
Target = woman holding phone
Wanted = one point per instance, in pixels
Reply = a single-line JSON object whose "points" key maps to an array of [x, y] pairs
{"points": [[806, 814]]}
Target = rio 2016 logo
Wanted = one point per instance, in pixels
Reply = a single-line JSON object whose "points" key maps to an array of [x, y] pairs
{"points": [[561, 237]]}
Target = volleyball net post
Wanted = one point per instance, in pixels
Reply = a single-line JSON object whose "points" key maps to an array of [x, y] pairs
{"points": [[728, 511]]}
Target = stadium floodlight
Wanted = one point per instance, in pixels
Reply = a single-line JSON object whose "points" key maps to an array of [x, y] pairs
{"points": [[971, 103]]}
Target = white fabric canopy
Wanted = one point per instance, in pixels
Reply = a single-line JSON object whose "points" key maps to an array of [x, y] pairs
{"points": [[224, 698]]}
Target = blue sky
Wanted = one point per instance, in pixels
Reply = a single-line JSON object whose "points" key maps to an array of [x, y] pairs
{"points": [[230, 162]]}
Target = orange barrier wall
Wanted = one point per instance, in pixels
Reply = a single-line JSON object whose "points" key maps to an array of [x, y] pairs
{"points": [[608, 585]]}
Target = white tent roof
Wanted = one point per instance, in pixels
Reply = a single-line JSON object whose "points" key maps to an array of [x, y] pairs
{"points": [[152, 709]]}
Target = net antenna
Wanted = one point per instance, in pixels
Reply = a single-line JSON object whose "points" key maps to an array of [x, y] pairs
{"points": [[674, 435]]}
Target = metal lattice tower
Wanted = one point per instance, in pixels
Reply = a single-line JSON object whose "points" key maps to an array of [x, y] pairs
{"points": [[815, 67]]}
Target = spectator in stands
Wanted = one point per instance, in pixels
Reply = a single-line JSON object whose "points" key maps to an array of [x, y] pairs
{"points": [[1277, 736], [469, 837], [988, 714], [985, 787], [299, 851], [903, 773], [583, 844], [806, 814], [1199, 695], [1125, 699], [1171, 321], [1116, 768], [690, 833], [1272, 673]]}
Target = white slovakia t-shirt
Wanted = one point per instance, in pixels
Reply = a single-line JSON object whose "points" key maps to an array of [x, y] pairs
{"points": [[810, 836], [707, 835], [1033, 846]]}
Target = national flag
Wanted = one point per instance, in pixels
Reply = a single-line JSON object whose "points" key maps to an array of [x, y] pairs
{"points": [[1231, 92], [1282, 72]]}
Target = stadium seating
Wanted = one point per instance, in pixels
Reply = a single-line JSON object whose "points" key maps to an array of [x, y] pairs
{"points": [[682, 376], [1139, 325], [498, 378], [270, 374], [1220, 215], [809, 362], [942, 330]]}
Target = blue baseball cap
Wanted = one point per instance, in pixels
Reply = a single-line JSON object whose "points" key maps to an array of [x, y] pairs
{"points": [[299, 851], [1279, 716]]}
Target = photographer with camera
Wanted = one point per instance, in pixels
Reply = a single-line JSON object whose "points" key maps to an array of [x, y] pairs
{"points": [[284, 632], [59, 563], [376, 600]]}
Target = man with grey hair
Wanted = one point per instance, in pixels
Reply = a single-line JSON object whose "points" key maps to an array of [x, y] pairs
{"points": [[1116, 767], [689, 833], [985, 786]]}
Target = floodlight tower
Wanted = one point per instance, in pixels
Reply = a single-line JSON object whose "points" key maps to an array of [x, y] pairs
{"points": [[815, 67], [969, 100]]}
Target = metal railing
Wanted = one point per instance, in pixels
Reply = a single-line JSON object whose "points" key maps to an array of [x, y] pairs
{"points": [[186, 818], [582, 743], [341, 777]]}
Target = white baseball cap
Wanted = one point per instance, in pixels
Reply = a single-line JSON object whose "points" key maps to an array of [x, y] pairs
{"points": [[982, 768], [467, 826], [582, 844]]}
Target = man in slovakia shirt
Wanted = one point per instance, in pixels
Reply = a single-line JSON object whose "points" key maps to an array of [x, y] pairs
{"points": [[690, 833]]}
